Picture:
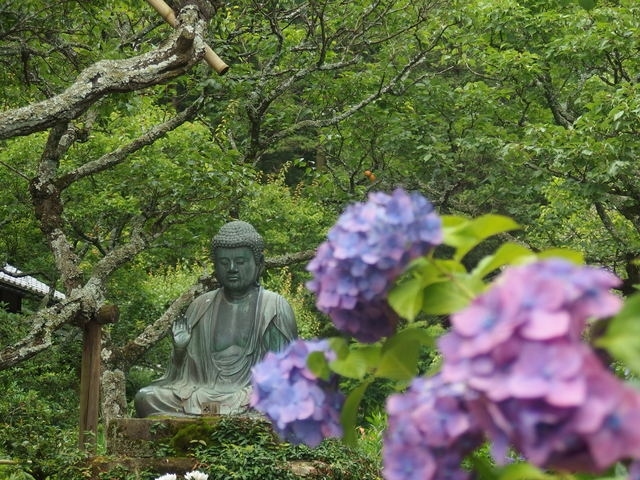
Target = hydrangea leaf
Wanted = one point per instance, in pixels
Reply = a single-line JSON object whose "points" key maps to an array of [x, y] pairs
{"points": [[349, 413], [507, 254], [400, 354], [446, 297], [358, 362], [465, 235], [317, 363], [622, 338], [399, 365], [518, 471], [573, 256], [406, 298], [340, 346]]}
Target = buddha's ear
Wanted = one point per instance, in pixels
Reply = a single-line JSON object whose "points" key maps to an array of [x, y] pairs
{"points": [[259, 268]]}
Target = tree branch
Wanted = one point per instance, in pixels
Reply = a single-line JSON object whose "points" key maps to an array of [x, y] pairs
{"points": [[184, 48], [119, 155], [45, 322], [560, 114]]}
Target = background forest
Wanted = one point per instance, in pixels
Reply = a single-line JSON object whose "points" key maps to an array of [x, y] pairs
{"points": [[524, 108]]}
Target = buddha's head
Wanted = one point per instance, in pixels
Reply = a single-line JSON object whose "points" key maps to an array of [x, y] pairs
{"points": [[237, 252]]}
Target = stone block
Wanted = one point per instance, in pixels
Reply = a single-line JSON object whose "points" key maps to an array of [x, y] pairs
{"points": [[140, 437]]}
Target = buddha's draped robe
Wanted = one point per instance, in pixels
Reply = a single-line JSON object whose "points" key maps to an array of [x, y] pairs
{"points": [[207, 374]]}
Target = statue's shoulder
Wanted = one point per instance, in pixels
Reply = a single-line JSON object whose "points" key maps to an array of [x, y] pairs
{"points": [[269, 293], [200, 305], [271, 296], [205, 298], [278, 312], [273, 301]]}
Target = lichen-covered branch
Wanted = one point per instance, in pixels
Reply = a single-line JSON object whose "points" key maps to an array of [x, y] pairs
{"points": [[183, 49], [119, 155], [45, 322], [85, 296]]}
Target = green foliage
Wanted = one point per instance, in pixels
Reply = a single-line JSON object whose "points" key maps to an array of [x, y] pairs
{"points": [[247, 448], [369, 440], [188, 437], [622, 337], [142, 296], [36, 432], [38, 406], [8, 472], [285, 216]]}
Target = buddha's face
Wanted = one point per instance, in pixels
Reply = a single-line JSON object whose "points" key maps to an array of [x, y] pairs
{"points": [[236, 269]]}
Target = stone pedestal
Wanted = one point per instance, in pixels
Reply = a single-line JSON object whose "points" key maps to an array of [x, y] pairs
{"points": [[136, 445], [142, 437]]}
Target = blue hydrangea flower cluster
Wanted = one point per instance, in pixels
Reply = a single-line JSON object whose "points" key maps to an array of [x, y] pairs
{"points": [[430, 431], [539, 387], [366, 250], [302, 407]]}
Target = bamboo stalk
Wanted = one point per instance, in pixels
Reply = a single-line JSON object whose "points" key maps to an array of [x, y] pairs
{"points": [[169, 16]]}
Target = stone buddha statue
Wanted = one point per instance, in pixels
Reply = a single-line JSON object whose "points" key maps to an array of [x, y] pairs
{"points": [[222, 334]]}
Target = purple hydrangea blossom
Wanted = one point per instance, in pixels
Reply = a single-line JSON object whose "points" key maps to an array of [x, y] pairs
{"points": [[429, 432], [366, 250], [634, 471], [302, 407], [537, 311], [590, 437], [538, 386], [609, 420]]}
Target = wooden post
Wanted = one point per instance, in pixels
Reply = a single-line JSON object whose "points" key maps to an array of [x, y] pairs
{"points": [[169, 16], [90, 385], [90, 375]]}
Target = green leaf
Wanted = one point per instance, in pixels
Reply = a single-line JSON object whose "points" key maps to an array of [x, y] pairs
{"points": [[447, 297], [465, 235], [565, 253], [349, 413], [317, 363], [406, 298], [587, 4], [358, 362], [520, 471], [399, 360], [506, 254], [622, 338], [340, 346], [421, 333], [482, 467]]}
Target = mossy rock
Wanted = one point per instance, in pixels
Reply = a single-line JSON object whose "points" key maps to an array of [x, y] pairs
{"points": [[142, 437]]}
